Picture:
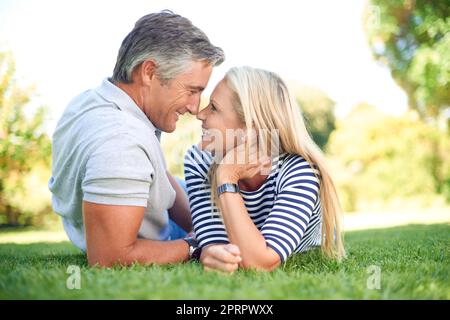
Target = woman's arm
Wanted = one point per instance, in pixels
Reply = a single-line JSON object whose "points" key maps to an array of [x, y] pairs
{"points": [[218, 253], [242, 231], [208, 226], [285, 225]]}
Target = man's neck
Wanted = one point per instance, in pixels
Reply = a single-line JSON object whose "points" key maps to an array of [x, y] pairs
{"points": [[132, 90]]}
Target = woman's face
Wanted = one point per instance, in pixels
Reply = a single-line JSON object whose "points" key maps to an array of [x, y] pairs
{"points": [[221, 127]]}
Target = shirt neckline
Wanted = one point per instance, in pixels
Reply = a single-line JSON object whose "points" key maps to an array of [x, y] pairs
{"points": [[112, 93]]}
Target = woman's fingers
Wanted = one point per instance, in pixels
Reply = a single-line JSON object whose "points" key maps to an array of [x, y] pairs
{"points": [[221, 257], [251, 170], [220, 266], [233, 249]]}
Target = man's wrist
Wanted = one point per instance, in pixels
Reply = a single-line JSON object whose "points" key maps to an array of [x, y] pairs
{"points": [[194, 248]]}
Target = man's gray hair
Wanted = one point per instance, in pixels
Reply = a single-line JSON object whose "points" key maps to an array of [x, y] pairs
{"points": [[169, 39]]}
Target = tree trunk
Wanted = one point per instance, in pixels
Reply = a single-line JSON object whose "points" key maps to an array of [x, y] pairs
{"points": [[12, 216]]}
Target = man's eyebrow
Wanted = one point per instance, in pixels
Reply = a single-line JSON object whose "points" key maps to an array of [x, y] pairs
{"points": [[197, 88]]}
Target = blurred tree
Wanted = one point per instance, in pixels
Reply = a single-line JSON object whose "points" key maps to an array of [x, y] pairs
{"points": [[386, 158], [176, 144], [413, 39], [23, 145], [318, 111]]}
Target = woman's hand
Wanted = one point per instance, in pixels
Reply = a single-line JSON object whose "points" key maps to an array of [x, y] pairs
{"points": [[221, 257], [242, 162]]}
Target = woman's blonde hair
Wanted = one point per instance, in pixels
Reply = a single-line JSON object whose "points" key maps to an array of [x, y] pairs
{"points": [[262, 101]]}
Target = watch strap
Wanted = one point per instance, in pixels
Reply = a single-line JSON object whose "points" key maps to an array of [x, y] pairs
{"points": [[227, 187], [194, 248]]}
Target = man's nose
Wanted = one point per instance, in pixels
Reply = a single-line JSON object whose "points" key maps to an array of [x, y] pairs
{"points": [[192, 108], [193, 104]]}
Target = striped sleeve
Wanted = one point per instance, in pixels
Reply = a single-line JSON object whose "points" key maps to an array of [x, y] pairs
{"points": [[208, 225], [297, 195]]}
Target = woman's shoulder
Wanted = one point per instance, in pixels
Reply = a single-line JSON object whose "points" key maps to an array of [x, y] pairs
{"points": [[197, 160], [292, 164]]}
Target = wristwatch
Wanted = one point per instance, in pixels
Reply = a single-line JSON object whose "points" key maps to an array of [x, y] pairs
{"points": [[195, 250], [227, 187]]}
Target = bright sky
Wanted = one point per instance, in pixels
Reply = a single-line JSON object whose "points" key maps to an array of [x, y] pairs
{"points": [[66, 47]]}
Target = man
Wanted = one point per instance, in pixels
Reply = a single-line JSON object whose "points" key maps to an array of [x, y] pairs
{"points": [[109, 178]]}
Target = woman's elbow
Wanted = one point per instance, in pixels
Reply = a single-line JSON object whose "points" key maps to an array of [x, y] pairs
{"points": [[266, 266]]}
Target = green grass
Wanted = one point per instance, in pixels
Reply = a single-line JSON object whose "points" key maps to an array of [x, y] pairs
{"points": [[414, 262]]}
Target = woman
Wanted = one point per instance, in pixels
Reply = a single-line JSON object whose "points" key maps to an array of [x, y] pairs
{"points": [[268, 208]]}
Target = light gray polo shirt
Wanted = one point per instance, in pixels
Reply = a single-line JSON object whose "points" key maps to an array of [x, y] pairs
{"points": [[105, 151]]}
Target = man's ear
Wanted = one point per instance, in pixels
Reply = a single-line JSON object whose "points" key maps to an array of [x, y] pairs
{"points": [[148, 71]]}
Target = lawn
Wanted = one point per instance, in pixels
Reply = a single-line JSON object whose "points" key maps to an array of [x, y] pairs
{"points": [[413, 262]]}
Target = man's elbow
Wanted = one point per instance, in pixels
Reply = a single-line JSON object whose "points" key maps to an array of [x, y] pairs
{"points": [[108, 259], [103, 261]]}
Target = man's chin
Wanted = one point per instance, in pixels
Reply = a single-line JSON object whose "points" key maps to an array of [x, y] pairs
{"points": [[169, 129]]}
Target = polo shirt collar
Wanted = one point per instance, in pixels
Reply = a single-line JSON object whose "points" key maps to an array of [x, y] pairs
{"points": [[112, 93]]}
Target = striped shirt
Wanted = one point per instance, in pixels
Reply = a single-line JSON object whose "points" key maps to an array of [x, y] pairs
{"points": [[286, 209]]}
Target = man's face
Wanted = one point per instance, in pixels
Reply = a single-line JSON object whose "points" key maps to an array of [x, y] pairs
{"points": [[166, 102]]}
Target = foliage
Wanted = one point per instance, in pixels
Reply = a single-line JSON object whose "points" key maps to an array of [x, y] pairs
{"points": [[383, 157], [176, 144], [413, 39], [24, 148], [318, 111]]}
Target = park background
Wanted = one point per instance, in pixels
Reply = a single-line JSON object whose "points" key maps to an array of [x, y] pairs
{"points": [[371, 78]]}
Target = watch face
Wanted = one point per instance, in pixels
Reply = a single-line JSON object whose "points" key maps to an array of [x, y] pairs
{"points": [[196, 254]]}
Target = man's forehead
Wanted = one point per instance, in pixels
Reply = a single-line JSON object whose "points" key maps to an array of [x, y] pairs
{"points": [[196, 76], [197, 67]]}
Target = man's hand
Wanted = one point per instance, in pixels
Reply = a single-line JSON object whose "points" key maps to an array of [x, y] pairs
{"points": [[220, 257]]}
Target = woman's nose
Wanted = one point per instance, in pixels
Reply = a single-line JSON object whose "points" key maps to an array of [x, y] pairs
{"points": [[202, 115]]}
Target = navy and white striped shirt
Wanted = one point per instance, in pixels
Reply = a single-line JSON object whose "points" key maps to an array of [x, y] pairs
{"points": [[286, 209]]}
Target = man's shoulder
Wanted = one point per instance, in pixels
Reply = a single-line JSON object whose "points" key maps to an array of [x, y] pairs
{"points": [[96, 117], [89, 108]]}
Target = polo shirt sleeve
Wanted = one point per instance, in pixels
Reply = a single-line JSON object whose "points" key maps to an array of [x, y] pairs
{"points": [[118, 172]]}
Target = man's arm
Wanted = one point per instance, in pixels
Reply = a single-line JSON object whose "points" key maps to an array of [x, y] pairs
{"points": [[180, 211], [111, 238]]}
